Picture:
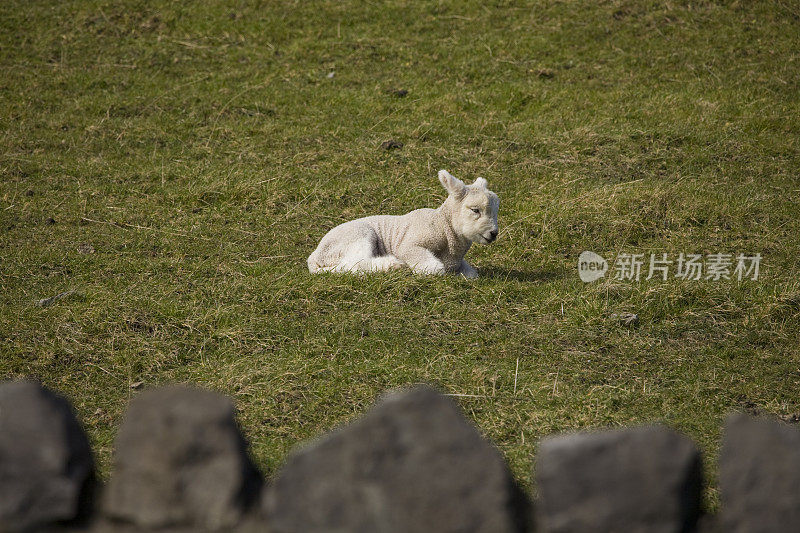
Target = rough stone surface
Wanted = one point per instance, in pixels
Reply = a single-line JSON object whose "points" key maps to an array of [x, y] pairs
{"points": [[759, 476], [46, 467], [708, 524], [411, 464], [632, 480], [251, 523], [180, 460]]}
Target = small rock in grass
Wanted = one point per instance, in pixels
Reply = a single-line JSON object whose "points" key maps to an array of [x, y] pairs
{"points": [[44, 302], [626, 319]]}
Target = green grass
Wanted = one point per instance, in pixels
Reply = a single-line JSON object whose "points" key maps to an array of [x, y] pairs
{"points": [[201, 151]]}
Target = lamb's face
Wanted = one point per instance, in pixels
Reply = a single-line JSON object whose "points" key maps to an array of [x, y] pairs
{"points": [[477, 214], [474, 208]]}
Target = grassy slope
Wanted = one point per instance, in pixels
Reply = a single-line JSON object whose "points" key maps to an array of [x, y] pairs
{"points": [[202, 151]]}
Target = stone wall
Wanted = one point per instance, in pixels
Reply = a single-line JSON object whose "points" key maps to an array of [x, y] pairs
{"points": [[413, 463]]}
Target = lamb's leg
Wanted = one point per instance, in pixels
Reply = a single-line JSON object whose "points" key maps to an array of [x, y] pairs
{"points": [[351, 247], [422, 261], [358, 256], [386, 263], [360, 263], [467, 270]]}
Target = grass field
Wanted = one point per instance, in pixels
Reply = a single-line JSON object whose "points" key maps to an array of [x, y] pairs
{"points": [[174, 164]]}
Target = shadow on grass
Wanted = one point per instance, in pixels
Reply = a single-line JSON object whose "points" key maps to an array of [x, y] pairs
{"points": [[538, 275]]}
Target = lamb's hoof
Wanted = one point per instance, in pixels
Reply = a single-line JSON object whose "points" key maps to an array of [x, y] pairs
{"points": [[388, 264]]}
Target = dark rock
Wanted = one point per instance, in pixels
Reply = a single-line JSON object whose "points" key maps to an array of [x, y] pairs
{"points": [[180, 460], [399, 93], [46, 467], [708, 524], [391, 145], [411, 464], [640, 479], [759, 476], [251, 523]]}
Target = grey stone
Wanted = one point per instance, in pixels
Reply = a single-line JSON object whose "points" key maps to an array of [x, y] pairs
{"points": [[46, 467], [411, 464], [708, 524], [759, 476], [180, 460], [632, 480], [250, 524], [626, 319], [44, 302]]}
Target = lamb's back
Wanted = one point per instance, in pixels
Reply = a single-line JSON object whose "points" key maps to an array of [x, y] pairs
{"points": [[414, 228]]}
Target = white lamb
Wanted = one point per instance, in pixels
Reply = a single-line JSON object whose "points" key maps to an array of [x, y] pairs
{"points": [[429, 241]]}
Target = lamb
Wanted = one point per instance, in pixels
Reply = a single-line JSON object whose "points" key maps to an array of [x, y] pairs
{"points": [[428, 241]]}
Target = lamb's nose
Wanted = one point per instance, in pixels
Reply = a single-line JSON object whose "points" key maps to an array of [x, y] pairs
{"points": [[493, 234]]}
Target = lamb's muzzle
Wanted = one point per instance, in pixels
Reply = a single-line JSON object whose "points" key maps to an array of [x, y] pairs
{"points": [[429, 241]]}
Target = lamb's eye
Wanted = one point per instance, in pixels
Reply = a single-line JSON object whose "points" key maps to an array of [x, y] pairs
{"points": [[475, 210]]}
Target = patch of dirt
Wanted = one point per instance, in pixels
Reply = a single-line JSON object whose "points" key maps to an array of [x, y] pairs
{"points": [[391, 144]]}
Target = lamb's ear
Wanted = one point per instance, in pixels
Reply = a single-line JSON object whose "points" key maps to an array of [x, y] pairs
{"points": [[453, 185], [481, 183]]}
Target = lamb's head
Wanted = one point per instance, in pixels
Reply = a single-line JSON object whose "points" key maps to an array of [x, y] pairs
{"points": [[473, 208]]}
